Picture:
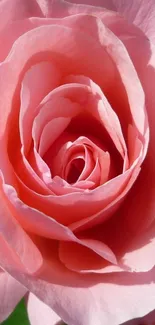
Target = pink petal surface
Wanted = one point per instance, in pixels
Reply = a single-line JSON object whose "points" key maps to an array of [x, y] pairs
{"points": [[149, 319], [51, 132], [61, 8], [33, 46], [146, 71], [95, 175], [61, 187], [141, 13], [114, 23], [11, 292], [32, 92], [62, 208], [12, 10], [54, 106], [89, 297], [50, 228], [104, 157], [70, 255], [19, 243], [40, 313], [134, 297], [98, 247], [102, 111], [40, 167], [37, 43], [75, 158], [108, 211], [35, 221], [99, 3], [29, 175]]}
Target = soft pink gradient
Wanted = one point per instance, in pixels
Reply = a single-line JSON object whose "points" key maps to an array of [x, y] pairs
{"points": [[11, 292], [77, 160], [39, 313]]}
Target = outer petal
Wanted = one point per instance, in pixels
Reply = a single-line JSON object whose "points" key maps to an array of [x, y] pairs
{"points": [[91, 299], [12, 10], [40, 314], [145, 66], [139, 12], [99, 3], [146, 320], [21, 247], [61, 8], [11, 293]]}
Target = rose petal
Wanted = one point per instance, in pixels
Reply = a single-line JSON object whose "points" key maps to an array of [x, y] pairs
{"points": [[32, 92], [61, 187], [104, 158], [60, 8], [40, 168], [35, 221], [40, 313], [11, 292], [44, 35], [143, 214], [140, 13], [70, 255], [55, 107], [12, 10], [108, 211], [148, 319], [102, 111], [62, 208], [98, 247], [29, 175], [128, 295], [51, 132], [19, 243], [100, 3]]}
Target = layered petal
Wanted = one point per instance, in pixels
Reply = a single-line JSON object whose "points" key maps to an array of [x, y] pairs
{"points": [[24, 251], [61, 8], [89, 296], [141, 13], [12, 10]]}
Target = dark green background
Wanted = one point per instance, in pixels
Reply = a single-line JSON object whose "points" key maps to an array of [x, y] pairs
{"points": [[19, 316]]}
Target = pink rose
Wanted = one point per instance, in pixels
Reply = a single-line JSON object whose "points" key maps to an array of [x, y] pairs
{"points": [[77, 168]]}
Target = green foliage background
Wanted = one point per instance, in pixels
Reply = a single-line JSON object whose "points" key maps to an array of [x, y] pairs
{"points": [[18, 317]]}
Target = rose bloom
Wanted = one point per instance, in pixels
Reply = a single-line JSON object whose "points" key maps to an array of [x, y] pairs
{"points": [[77, 161]]}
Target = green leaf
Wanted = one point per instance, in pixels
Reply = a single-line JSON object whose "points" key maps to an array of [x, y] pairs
{"points": [[19, 316]]}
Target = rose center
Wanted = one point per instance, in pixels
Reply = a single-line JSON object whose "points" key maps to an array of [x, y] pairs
{"points": [[75, 170]]}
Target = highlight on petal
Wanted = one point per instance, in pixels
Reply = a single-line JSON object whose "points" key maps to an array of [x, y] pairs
{"points": [[141, 13], [41, 314]]}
